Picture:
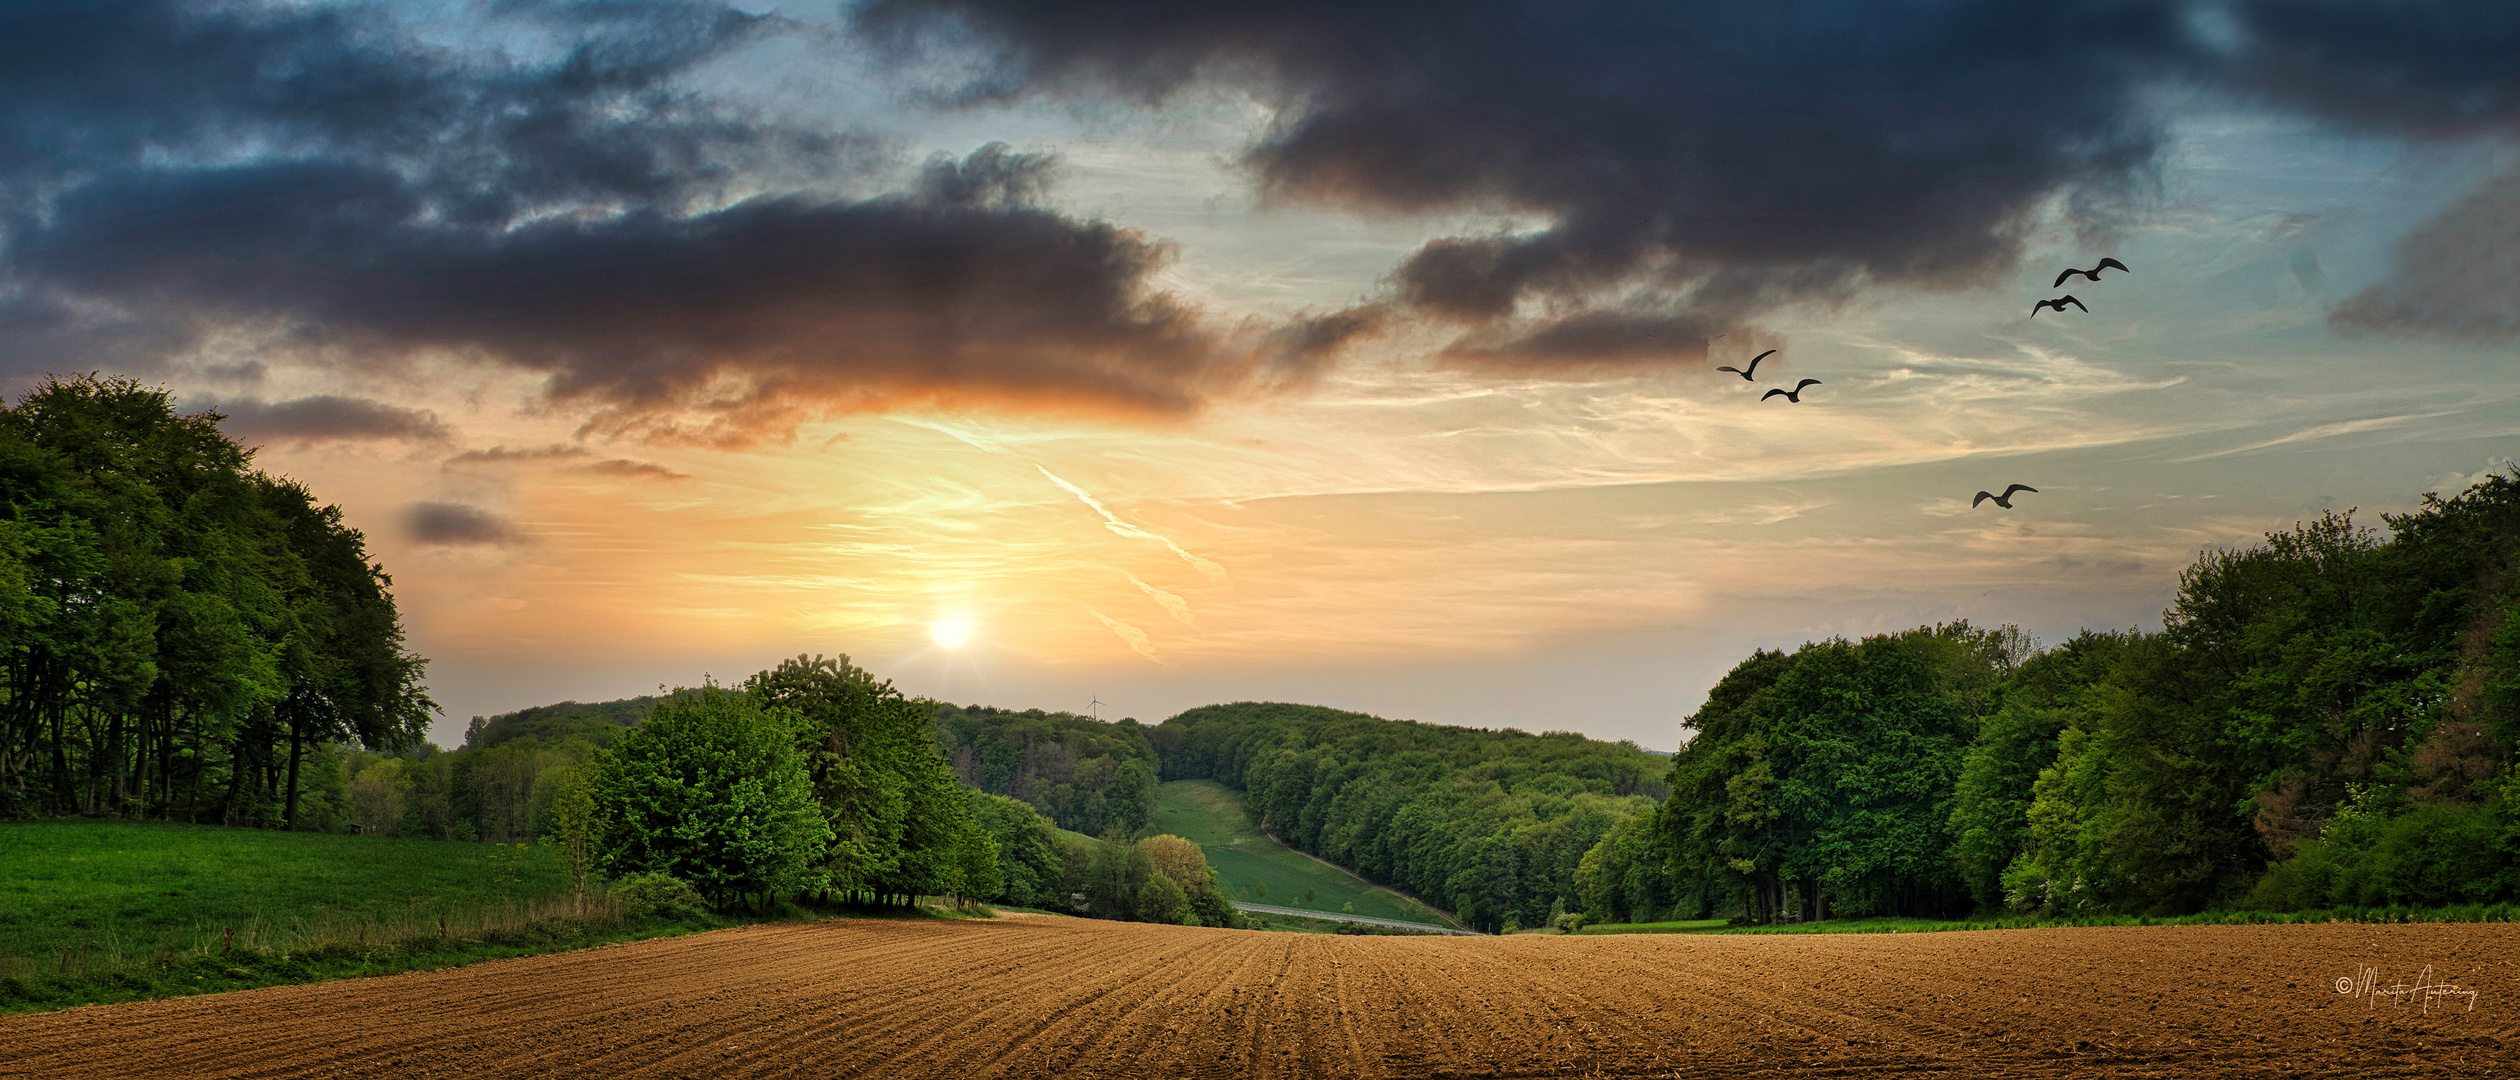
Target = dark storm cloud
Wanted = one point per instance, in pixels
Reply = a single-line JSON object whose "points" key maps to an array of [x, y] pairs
{"points": [[2434, 68], [1698, 164], [1744, 154], [456, 523], [564, 215], [327, 416]]}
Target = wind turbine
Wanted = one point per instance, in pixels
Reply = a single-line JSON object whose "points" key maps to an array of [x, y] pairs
{"points": [[1095, 710]]}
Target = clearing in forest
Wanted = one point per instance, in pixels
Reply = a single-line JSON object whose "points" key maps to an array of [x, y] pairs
{"points": [[1258, 870]]}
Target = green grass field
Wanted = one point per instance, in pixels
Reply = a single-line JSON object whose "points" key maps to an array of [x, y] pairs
{"points": [[1256, 869], [97, 912], [138, 888], [1688, 926]]}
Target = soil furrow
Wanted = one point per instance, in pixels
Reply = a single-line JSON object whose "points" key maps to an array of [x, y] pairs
{"points": [[1036, 996]]}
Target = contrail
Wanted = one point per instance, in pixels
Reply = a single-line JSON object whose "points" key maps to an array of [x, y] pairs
{"points": [[1179, 607], [1112, 521], [1136, 638]]}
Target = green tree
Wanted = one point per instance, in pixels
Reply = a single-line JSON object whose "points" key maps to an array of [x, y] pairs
{"points": [[577, 825], [901, 822], [711, 790]]}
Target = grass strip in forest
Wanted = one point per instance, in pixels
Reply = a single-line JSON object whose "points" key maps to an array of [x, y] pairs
{"points": [[1255, 868]]}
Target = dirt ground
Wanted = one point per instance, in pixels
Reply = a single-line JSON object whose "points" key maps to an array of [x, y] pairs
{"points": [[1027, 996]]}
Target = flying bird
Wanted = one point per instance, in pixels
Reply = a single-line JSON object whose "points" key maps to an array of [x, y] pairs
{"points": [[2093, 273], [1794, 395], [2004, 500], [1754, 365], [2059, 304]]}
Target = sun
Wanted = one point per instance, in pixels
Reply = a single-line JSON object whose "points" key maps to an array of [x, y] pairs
{"points": [[950, 633]]}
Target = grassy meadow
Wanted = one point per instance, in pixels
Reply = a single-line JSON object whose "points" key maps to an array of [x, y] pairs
{"points": [[97, 911], [125, 889], [1256, 869]]}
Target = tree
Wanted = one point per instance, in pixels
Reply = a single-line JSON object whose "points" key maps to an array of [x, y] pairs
{"points": [[1185, 863], [902, 826], [1032, 870], [577, 826], [711, 790]]}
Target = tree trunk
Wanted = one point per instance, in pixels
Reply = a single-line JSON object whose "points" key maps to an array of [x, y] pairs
{"points": [[297, 750]]}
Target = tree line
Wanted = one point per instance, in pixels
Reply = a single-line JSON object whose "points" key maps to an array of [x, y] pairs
{"points": [[2325, 719], [179, 632], [1088, 775], [814, 779]]}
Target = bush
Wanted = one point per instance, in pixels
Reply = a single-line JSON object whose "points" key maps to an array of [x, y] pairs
{"points": [[1571, 921], [2430, 856], [660, 896]]}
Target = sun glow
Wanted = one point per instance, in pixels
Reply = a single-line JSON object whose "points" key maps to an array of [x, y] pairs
{"points": [[950, 633]]}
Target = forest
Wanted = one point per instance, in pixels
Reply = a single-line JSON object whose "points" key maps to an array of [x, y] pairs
{"points": [[1489, 825], [179, 632], [2325, 719], [1087, 775]]}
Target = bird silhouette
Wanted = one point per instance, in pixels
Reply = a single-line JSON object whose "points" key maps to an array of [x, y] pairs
{"points": [[2059, 304], [2093, 273], [1754, 365], [1794, 395], [2004, 500]]}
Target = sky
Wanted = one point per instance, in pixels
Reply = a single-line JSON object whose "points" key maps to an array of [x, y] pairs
{"points": [[1127, 357]]}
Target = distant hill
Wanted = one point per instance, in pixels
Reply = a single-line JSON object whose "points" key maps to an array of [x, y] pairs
{"points": [[597, 722], [1490, 824]]}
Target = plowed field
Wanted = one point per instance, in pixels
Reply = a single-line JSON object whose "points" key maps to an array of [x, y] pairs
{"points": [[1034, 996]]}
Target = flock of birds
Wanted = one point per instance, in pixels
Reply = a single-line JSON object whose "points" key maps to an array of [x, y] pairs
{"points": [[2004, 500]]}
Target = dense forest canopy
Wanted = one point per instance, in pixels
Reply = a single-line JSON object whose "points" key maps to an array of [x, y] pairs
{"points": [[178, 631], [1087, 775], [2326, 719]]}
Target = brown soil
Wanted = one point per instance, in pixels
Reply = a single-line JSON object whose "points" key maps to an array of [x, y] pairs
{"points": [[1028, 996]]}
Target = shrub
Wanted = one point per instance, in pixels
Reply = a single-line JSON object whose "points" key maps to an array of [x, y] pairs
{"points": [[660, 896]]}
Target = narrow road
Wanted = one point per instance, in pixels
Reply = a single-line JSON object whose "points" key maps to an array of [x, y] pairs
{"points": [[1341, 916]]}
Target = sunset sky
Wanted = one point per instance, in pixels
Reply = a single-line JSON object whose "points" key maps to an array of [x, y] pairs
{"points": [[1360, 354]]}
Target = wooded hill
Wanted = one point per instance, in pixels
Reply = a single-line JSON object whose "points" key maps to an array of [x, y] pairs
{"points": [[2325, 719], [1488, 824]]}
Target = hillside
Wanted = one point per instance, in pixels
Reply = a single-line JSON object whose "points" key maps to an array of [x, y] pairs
{"points": [[1259, 870], [1490, 824]]}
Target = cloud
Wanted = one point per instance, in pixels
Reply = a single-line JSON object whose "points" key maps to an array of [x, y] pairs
{"points": [[674, 265], [1695, 166], [456, 523], [327, 416], [1734, 157], [637, 470], [621, 467], [1118, 527], [2322, 431], [1170, 602], [1137, 639], [502, 455], [2432, 68], [2457, 275]]}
